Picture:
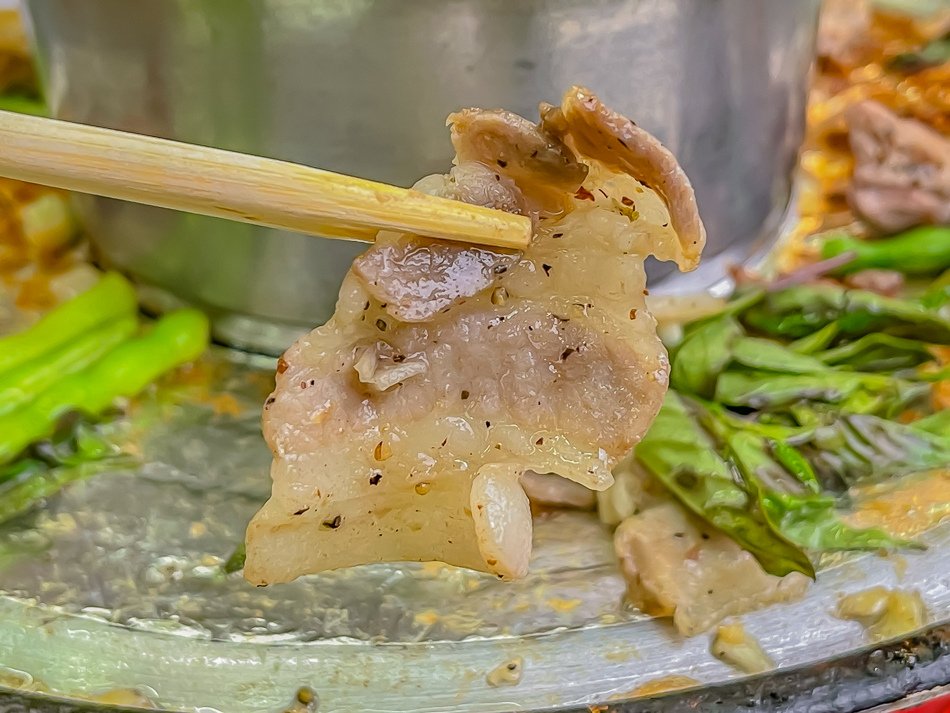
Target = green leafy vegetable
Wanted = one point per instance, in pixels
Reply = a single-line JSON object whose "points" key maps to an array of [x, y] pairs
{"points": [[862, 447], [937, 423], [938, 293], [799, 311], [21, 494], [816, 341], [812, 522], [877, 352], [858, 391], [702, 354], [769, 355], [235, 562], [924, 250], [681, 456], [796, 464], [935, 53]]}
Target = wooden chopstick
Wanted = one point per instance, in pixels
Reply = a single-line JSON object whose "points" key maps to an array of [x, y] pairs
{"points": [[236, 186]]}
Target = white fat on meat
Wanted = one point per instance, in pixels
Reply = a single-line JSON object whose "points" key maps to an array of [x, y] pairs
{"points": [[401, 432], [679, 567]]}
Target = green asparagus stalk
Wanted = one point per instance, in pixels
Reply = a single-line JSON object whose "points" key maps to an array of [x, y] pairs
{"points": [[25, 382], [126, 370], [108, 299]]}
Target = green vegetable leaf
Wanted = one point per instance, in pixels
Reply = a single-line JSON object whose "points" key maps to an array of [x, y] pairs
{"points": [[932, 55], [769, 355], [681, 456], [857, 391], [235, 562], [796, 464], [923, 250], [816, 341], [703, 353], [877, 352], [800, 311], [812, 522], [938, 293], [862, 447], [937, 423]]}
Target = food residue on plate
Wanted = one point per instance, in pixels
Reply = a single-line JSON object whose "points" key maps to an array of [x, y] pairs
{"points": [[885, 613], [733, 645], [655, 687], [507, 674]]}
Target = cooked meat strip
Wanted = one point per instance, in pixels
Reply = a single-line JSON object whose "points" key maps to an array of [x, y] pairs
{"points": [[398, 436], [902, 169], [679, 567], [596, 132]]}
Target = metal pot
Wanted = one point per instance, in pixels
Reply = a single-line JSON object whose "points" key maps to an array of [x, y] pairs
{"points": [[363, 87]]}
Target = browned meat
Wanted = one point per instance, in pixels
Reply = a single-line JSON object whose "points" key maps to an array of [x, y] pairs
{"points": [[546, 170], [402, 433], [902, 169], [843, 31], [619, 144], [884, 282]]}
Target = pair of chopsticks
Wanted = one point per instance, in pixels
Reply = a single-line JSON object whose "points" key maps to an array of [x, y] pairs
{"points": [[236, 186]]}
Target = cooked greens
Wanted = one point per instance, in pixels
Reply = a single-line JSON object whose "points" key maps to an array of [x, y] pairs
{"points": [[788, 398]]}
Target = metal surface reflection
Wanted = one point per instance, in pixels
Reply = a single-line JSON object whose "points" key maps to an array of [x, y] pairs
{"points": [[363, 87]]}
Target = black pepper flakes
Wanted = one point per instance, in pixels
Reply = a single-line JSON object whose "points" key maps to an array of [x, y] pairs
{"points": [[333, 523], [679, 534], [583, 194], [399, 358], [375, 478], [704, 535], [500, 269], [270, 400], [567, 352], [487, 424], [465, 394], [558, 235], [301, 511], [381, 325], [547, 269], [502, 163], [540, 441], [627, 201]]}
